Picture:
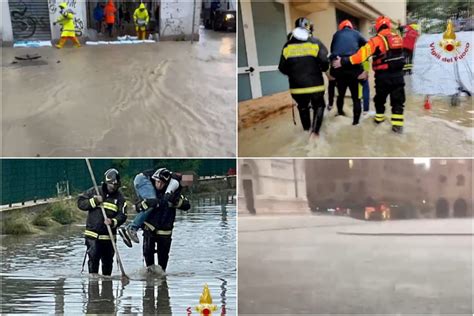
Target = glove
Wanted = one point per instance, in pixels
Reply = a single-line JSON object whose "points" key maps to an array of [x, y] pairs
{"points": [[98, 199]]}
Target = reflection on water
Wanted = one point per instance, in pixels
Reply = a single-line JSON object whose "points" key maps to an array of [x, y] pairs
{"points": [[42, 273]]}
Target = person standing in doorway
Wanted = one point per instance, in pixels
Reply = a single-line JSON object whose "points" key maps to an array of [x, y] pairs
{"points": [[109, 12], [141, 19], [99, 16]]}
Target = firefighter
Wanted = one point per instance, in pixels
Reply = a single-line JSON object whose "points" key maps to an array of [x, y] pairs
{"points": [[99, 246], [387, 62], [158, 226], [303, 60], [346, 42], [141, 19], [68, 29], [409, 41], [146, 184]]}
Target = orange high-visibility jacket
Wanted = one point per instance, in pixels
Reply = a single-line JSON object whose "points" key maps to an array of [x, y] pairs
{"points": [[109, 12], [386, 47]]}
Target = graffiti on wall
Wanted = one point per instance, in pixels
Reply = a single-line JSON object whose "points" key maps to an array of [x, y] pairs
{"points": [[174, 26], [173, 18], [53, 4], [71, 4], [27, 23]]}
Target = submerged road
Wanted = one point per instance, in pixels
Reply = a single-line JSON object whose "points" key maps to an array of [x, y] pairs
{"points": [[147, 100], [41, 274], [303, 265]]}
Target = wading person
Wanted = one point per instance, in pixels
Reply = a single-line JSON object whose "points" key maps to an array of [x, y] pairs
{"points": [[346, 42], [141, 19], [303, 60], [99, 246], [68, 29], [159, 192], [387, 62]]}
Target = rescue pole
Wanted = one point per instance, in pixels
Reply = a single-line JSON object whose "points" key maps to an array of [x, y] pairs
{"points": [[125, 278], [84, 262]]}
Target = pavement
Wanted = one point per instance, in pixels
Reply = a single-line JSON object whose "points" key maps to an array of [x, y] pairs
{"points": [[307, 265]]}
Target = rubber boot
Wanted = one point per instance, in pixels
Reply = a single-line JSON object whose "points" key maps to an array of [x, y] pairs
{"points": [[61, 43], [77, 44]]}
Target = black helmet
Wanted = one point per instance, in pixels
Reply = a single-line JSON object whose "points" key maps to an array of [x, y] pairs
{"points": [[304, 23], [112, 176], [162, 174]]}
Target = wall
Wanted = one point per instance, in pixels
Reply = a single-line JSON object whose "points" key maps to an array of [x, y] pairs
{"points": [[6, 32], [324, 25], [273, 185], [78, 6], [395, 9], [176, 19]]}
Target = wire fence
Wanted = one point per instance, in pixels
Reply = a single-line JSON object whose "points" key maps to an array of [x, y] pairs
{"points": [[35, 179]]}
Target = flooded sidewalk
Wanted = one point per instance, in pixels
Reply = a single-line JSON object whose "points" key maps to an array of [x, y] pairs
{"points": [[42, 273], [266, 128], [122, 100], [306, 266]]}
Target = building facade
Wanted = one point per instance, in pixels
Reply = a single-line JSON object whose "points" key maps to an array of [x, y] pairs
{"points": [[264, 25], [447, 186], [33, 19], [442, 190], [269, 186]]}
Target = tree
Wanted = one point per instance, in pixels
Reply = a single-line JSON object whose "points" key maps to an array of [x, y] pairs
{"points": [[433, 14]]}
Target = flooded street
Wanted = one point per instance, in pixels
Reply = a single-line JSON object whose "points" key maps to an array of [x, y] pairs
{"points": [[445, 131], [338, 265], [116, 100], [42, 273]]}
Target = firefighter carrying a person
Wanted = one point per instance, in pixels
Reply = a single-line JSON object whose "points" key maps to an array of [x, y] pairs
{"points": [[303, 60], [141, 19], [99, 246], [68, 28], [388, 60]]}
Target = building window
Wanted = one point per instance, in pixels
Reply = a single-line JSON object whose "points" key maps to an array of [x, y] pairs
{"points": [[442, 179], [460, 180], [347, 186]]}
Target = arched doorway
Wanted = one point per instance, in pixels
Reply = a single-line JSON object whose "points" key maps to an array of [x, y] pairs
{"points": [[248, 186], [460, 208], [442, 208]]}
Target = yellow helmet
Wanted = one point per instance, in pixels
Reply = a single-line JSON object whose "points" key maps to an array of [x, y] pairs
{"points": [[63, 5]]}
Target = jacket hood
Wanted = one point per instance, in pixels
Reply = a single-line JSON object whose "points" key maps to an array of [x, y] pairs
{"points": [[142, 6], [300, 33]]}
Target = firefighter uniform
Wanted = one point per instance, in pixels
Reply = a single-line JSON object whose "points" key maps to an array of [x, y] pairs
{"points": [[99, 246], [303, 60], [409, 41], [68, 31], [158, 226], [386, 49]]}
